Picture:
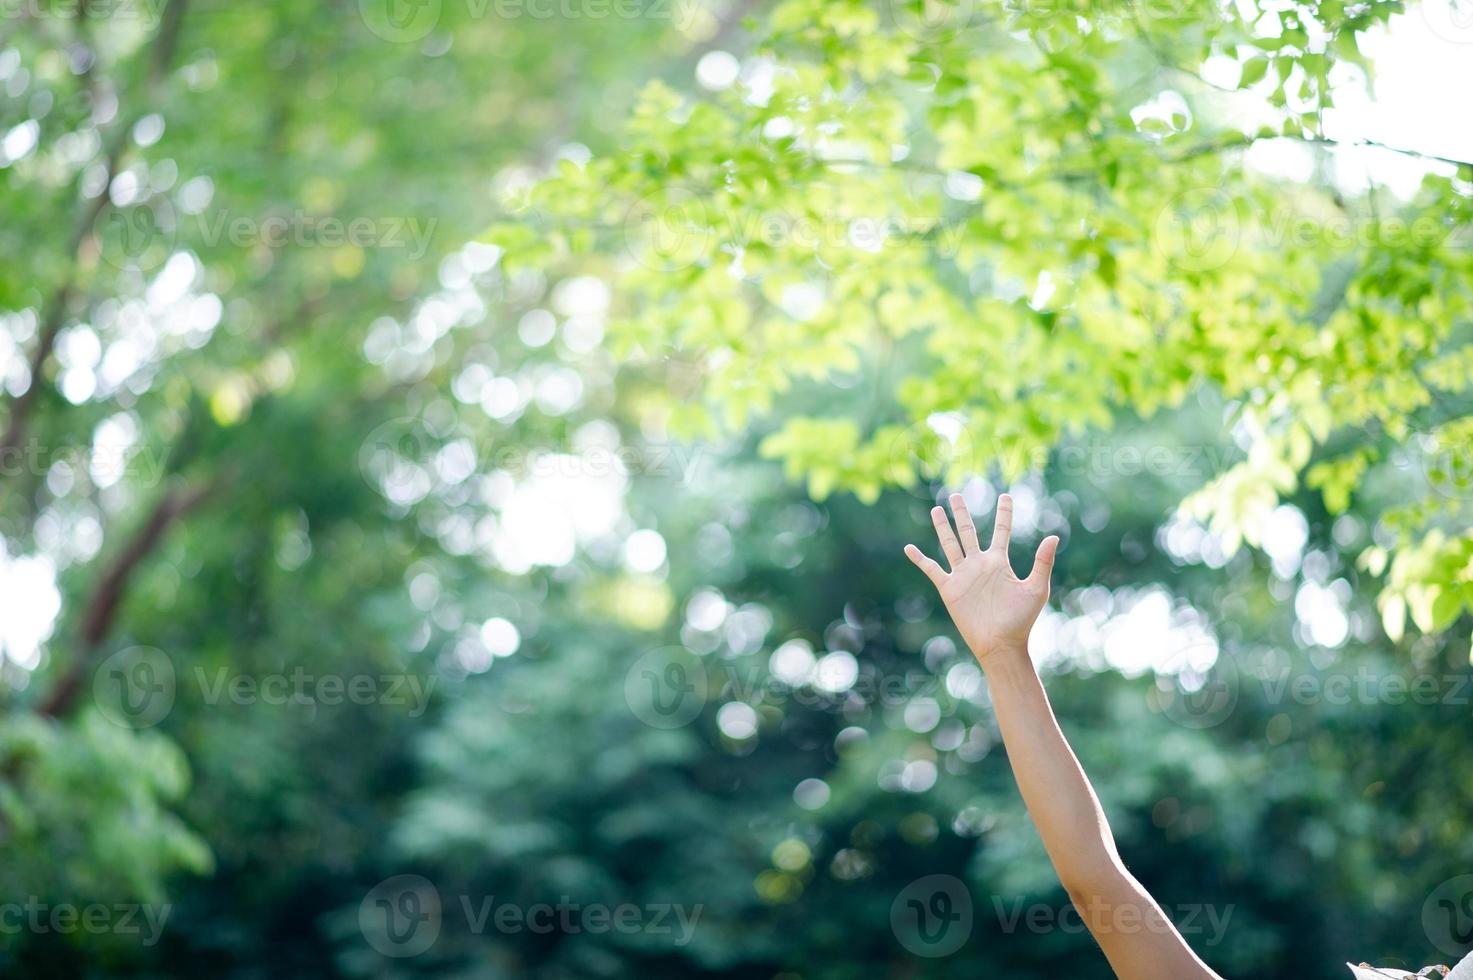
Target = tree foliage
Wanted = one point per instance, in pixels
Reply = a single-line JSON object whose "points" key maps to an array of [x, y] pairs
{"points": [[1003, 228], [271, 410]]}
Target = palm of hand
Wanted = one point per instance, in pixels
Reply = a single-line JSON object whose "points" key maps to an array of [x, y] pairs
{"points": [[993, 609]]}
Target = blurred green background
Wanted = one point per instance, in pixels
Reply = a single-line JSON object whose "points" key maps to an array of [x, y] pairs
{"points": [[457, 456]]}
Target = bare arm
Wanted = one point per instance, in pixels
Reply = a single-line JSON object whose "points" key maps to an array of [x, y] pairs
{"points": [[994, 611]]}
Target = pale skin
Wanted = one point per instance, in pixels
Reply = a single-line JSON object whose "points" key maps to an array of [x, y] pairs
{"points": [[994, 611]]}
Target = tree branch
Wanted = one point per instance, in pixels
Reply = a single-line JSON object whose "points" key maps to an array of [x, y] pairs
{"points": [[102, 608], [1418, 154]]}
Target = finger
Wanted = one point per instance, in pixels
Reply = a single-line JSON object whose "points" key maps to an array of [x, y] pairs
{"points": [[1043, 562], [1002, 531], [952, 550], [965, 529], [933, 571]]}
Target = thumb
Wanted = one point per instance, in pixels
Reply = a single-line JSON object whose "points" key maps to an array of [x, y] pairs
{"points": [[1043, 562]]}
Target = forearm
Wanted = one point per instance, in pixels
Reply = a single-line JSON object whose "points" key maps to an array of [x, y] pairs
{"points": [[1054, 787], [1132, 930]]}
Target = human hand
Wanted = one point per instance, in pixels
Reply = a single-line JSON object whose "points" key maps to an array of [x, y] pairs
{"points": [[992, 608]]}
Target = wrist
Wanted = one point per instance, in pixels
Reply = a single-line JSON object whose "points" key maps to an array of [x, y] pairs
{"points": [[1001, 654]]}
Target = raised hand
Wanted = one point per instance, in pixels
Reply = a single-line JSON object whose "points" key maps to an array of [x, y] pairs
{"points": [[994, 611], [992, 608]]}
